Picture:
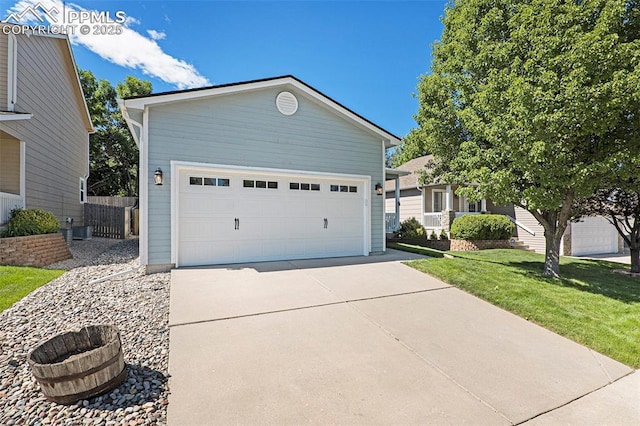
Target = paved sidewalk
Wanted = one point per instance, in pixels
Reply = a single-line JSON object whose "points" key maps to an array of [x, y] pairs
{"points": [[371, 341], [616, 404]]}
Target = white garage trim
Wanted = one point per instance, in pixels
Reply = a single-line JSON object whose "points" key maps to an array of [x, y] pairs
{"points": [[178, 166], [144, 189]]}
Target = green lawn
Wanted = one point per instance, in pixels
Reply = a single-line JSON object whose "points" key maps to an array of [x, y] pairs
{"points": [[17, 281], [590, 304]]}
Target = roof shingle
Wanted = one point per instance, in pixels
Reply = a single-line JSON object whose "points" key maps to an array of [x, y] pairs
{"points": [[411, 180]]}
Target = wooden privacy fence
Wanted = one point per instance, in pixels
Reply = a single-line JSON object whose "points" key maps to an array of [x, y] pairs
{"points": [[113, 201], [108, 221]]}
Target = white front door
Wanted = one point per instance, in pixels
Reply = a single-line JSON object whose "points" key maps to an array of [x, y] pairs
{"points": [[233, 216], [437, 201]]}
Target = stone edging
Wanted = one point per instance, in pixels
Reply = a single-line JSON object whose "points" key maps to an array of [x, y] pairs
{"points": [[474, 245], [34, 250]]}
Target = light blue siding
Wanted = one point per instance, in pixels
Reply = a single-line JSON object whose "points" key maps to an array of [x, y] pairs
{"points": [[246, 129]]}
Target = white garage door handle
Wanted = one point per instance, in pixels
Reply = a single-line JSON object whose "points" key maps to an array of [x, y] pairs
{"points": [[326, 223]]}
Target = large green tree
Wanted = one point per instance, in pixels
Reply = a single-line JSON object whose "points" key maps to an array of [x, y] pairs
{"points": [[523, 100], [113, 152]]}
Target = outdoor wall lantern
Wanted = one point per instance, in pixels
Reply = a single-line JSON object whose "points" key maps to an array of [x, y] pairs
{"points": [[378, 188], [157, 177]]}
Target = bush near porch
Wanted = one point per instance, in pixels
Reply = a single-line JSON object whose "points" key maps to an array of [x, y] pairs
{"points": [[482, 227], [412, 232]]}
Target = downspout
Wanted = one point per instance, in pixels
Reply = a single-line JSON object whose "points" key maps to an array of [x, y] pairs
{"points": [[420, 188]]}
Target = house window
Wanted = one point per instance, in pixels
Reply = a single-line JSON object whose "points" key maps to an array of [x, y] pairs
{"points": [[343, 188], [304, 186], [473, 207], [437, 201], [208, 181], [82, 191], [260, 184]]}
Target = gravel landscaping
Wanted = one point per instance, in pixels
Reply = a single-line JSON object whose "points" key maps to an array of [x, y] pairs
{"points": [[137, 304]]}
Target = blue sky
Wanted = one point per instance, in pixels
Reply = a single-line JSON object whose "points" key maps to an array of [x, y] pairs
{"points": [[368, 55]]}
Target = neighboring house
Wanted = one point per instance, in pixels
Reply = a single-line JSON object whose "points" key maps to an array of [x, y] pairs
{"points": [[256, 171], [437, 205], [44, 127]]}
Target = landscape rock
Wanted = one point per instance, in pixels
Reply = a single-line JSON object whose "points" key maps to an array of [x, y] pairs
{"points": [[137, 304]]}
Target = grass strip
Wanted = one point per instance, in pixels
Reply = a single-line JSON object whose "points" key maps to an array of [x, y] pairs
{"points": [[589, 304], [18, 281]]}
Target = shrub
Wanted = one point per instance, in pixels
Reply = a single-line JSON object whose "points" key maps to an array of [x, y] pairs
{"points": [[433, 235], [443, 235], [411, 228], [482, 227], [30, 222]]}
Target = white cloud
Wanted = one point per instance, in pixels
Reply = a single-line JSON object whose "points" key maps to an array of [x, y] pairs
{"points": [[157, 35], [129, 49], [130, 20]]}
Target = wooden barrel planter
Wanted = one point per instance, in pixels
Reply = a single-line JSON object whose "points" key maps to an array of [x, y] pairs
{"points": [[79, 364]]}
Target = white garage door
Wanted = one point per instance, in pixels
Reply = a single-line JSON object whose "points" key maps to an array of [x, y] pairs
{"points": [[232, 216], [594, 235]]}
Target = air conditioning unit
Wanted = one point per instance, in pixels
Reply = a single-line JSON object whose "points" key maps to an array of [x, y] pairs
{"points": [[82, 232]]}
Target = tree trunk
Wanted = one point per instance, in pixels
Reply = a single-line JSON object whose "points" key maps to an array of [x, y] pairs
{"points": [[552, 254], [635, 262]]}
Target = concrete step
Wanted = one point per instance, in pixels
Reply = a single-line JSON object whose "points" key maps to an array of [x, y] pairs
{"points": [[519, 245]]}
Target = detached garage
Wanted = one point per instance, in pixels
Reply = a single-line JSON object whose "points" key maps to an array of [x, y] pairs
{"points": [[256, 171], [593, 235]]}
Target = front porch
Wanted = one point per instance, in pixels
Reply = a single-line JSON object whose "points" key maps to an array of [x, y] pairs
{"points": [[392, 219], [12, 178], [441, 206]]}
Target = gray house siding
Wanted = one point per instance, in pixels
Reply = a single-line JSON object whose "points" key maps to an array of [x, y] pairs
{"points": [[245, 129], [57, 135], [10, 160], [410, 204], [535, 242], [3, 71]]}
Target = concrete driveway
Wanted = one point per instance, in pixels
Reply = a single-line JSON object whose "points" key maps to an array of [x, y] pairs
{"points": [[372, 341]]}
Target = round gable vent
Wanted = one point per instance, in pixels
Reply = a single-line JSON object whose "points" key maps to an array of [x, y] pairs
{"points": [[287, 103]]}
